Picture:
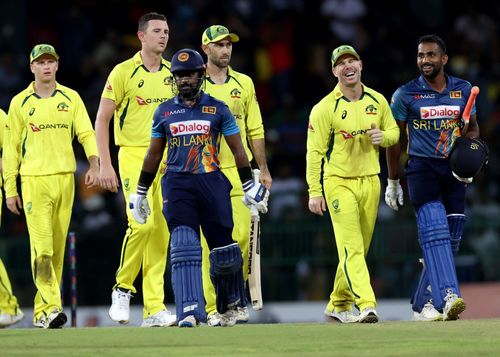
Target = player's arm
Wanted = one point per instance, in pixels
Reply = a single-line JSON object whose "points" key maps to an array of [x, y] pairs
{"points": [[393, 153], [255, 134], [390, 129], [318, 136], [107, 174], [86, 137], [12, 158]]}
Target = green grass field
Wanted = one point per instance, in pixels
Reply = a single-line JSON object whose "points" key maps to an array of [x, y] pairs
{"points": [[457, 338]]}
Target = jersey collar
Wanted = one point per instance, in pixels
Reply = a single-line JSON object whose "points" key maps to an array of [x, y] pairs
{"points": [[425, 85], [139, 63], [338, 94], [228, 78], [31, 90]]}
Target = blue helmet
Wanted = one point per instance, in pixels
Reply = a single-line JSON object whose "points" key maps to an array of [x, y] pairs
{"points": [[187, 60]]}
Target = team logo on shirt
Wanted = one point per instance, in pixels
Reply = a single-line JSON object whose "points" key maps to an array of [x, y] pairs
{"points": [[190, 127], [62, 107], [209, 110], [370, 110], [34, 128], [440, 112], [335, 205], [235, 94], [456, 94]]}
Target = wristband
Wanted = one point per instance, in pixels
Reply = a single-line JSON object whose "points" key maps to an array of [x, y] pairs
{"points": [[245, 174], [145, 181]]}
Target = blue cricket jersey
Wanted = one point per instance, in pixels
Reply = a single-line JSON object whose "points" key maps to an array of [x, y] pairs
{"points": [[433, 119], [193, 133]]}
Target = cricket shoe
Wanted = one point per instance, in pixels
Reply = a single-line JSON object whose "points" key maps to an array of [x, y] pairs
{"points": [[453, 307], [188, 321], [11, 319], [120, 306], [163, 318], [242, 315], [229, 318], [368, 316], [213, 319], [41, 322], [56, 319], [428, 313], [344, 317]]}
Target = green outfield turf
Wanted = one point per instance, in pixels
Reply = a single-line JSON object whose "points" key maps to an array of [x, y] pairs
{"points": [[457, 338]]}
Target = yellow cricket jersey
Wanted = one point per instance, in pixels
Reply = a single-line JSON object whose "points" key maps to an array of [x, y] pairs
{"points": [[136, 93], [337, 133], [39, 135], [238, 92], [3, 120]]}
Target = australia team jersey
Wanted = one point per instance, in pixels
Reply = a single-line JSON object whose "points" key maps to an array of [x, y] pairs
{"points": [[193, 134], [238, 92], [136, 92], [39, 135], [433, 119]]}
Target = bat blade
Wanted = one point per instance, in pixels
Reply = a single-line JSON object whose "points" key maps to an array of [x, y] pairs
{"points": [[468, 108], [254, 281]]}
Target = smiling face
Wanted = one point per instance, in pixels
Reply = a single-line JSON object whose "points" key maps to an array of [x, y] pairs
{"points": [[348, 70], [431, 59]]}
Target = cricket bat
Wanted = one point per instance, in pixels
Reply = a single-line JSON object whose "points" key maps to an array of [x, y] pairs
{"points": [[468, 108], [254, 283]]}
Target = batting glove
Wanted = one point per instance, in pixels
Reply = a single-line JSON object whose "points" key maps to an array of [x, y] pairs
{"points": [[256, 194], [139, 207], [393, 194]]}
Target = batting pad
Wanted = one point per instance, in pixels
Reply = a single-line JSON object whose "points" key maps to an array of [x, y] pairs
{"points": [[185, 257], [456, 222], [227, 276], [434, 239], [423, 293]]}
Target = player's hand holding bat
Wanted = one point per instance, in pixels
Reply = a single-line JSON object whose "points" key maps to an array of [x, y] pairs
{"points": [[139, 207], [393, 194], [256, 194]]}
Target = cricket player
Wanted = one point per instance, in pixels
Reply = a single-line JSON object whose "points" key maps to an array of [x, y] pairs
{"points": [[346, 129], [132, 92], [10, 313], [238, 92], [42, 121], [429, 110], [196, 194]]}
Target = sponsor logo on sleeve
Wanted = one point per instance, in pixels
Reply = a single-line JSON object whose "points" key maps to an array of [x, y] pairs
{"points": [[190, 127], [310, 127], [108, 86]]}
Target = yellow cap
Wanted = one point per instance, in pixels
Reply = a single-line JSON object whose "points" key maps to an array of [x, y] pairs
{"points": [[43, 49], [343, 50], [216, 33]]}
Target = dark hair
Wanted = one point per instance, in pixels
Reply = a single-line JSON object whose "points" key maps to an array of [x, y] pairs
{"points": [[433, 39], [143, 21]]}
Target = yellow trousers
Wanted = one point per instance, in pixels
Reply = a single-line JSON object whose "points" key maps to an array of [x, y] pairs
{"points": [[8, 302], [241, 234], [47, 203], [144, 245], [353, 205]]}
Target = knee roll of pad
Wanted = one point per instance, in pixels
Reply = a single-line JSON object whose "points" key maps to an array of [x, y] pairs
{"points": [[434, 239], [185, 257], [227, 276]]}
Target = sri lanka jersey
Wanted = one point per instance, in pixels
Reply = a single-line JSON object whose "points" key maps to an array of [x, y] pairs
{"points": [[433, 119], [193, 133]]}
